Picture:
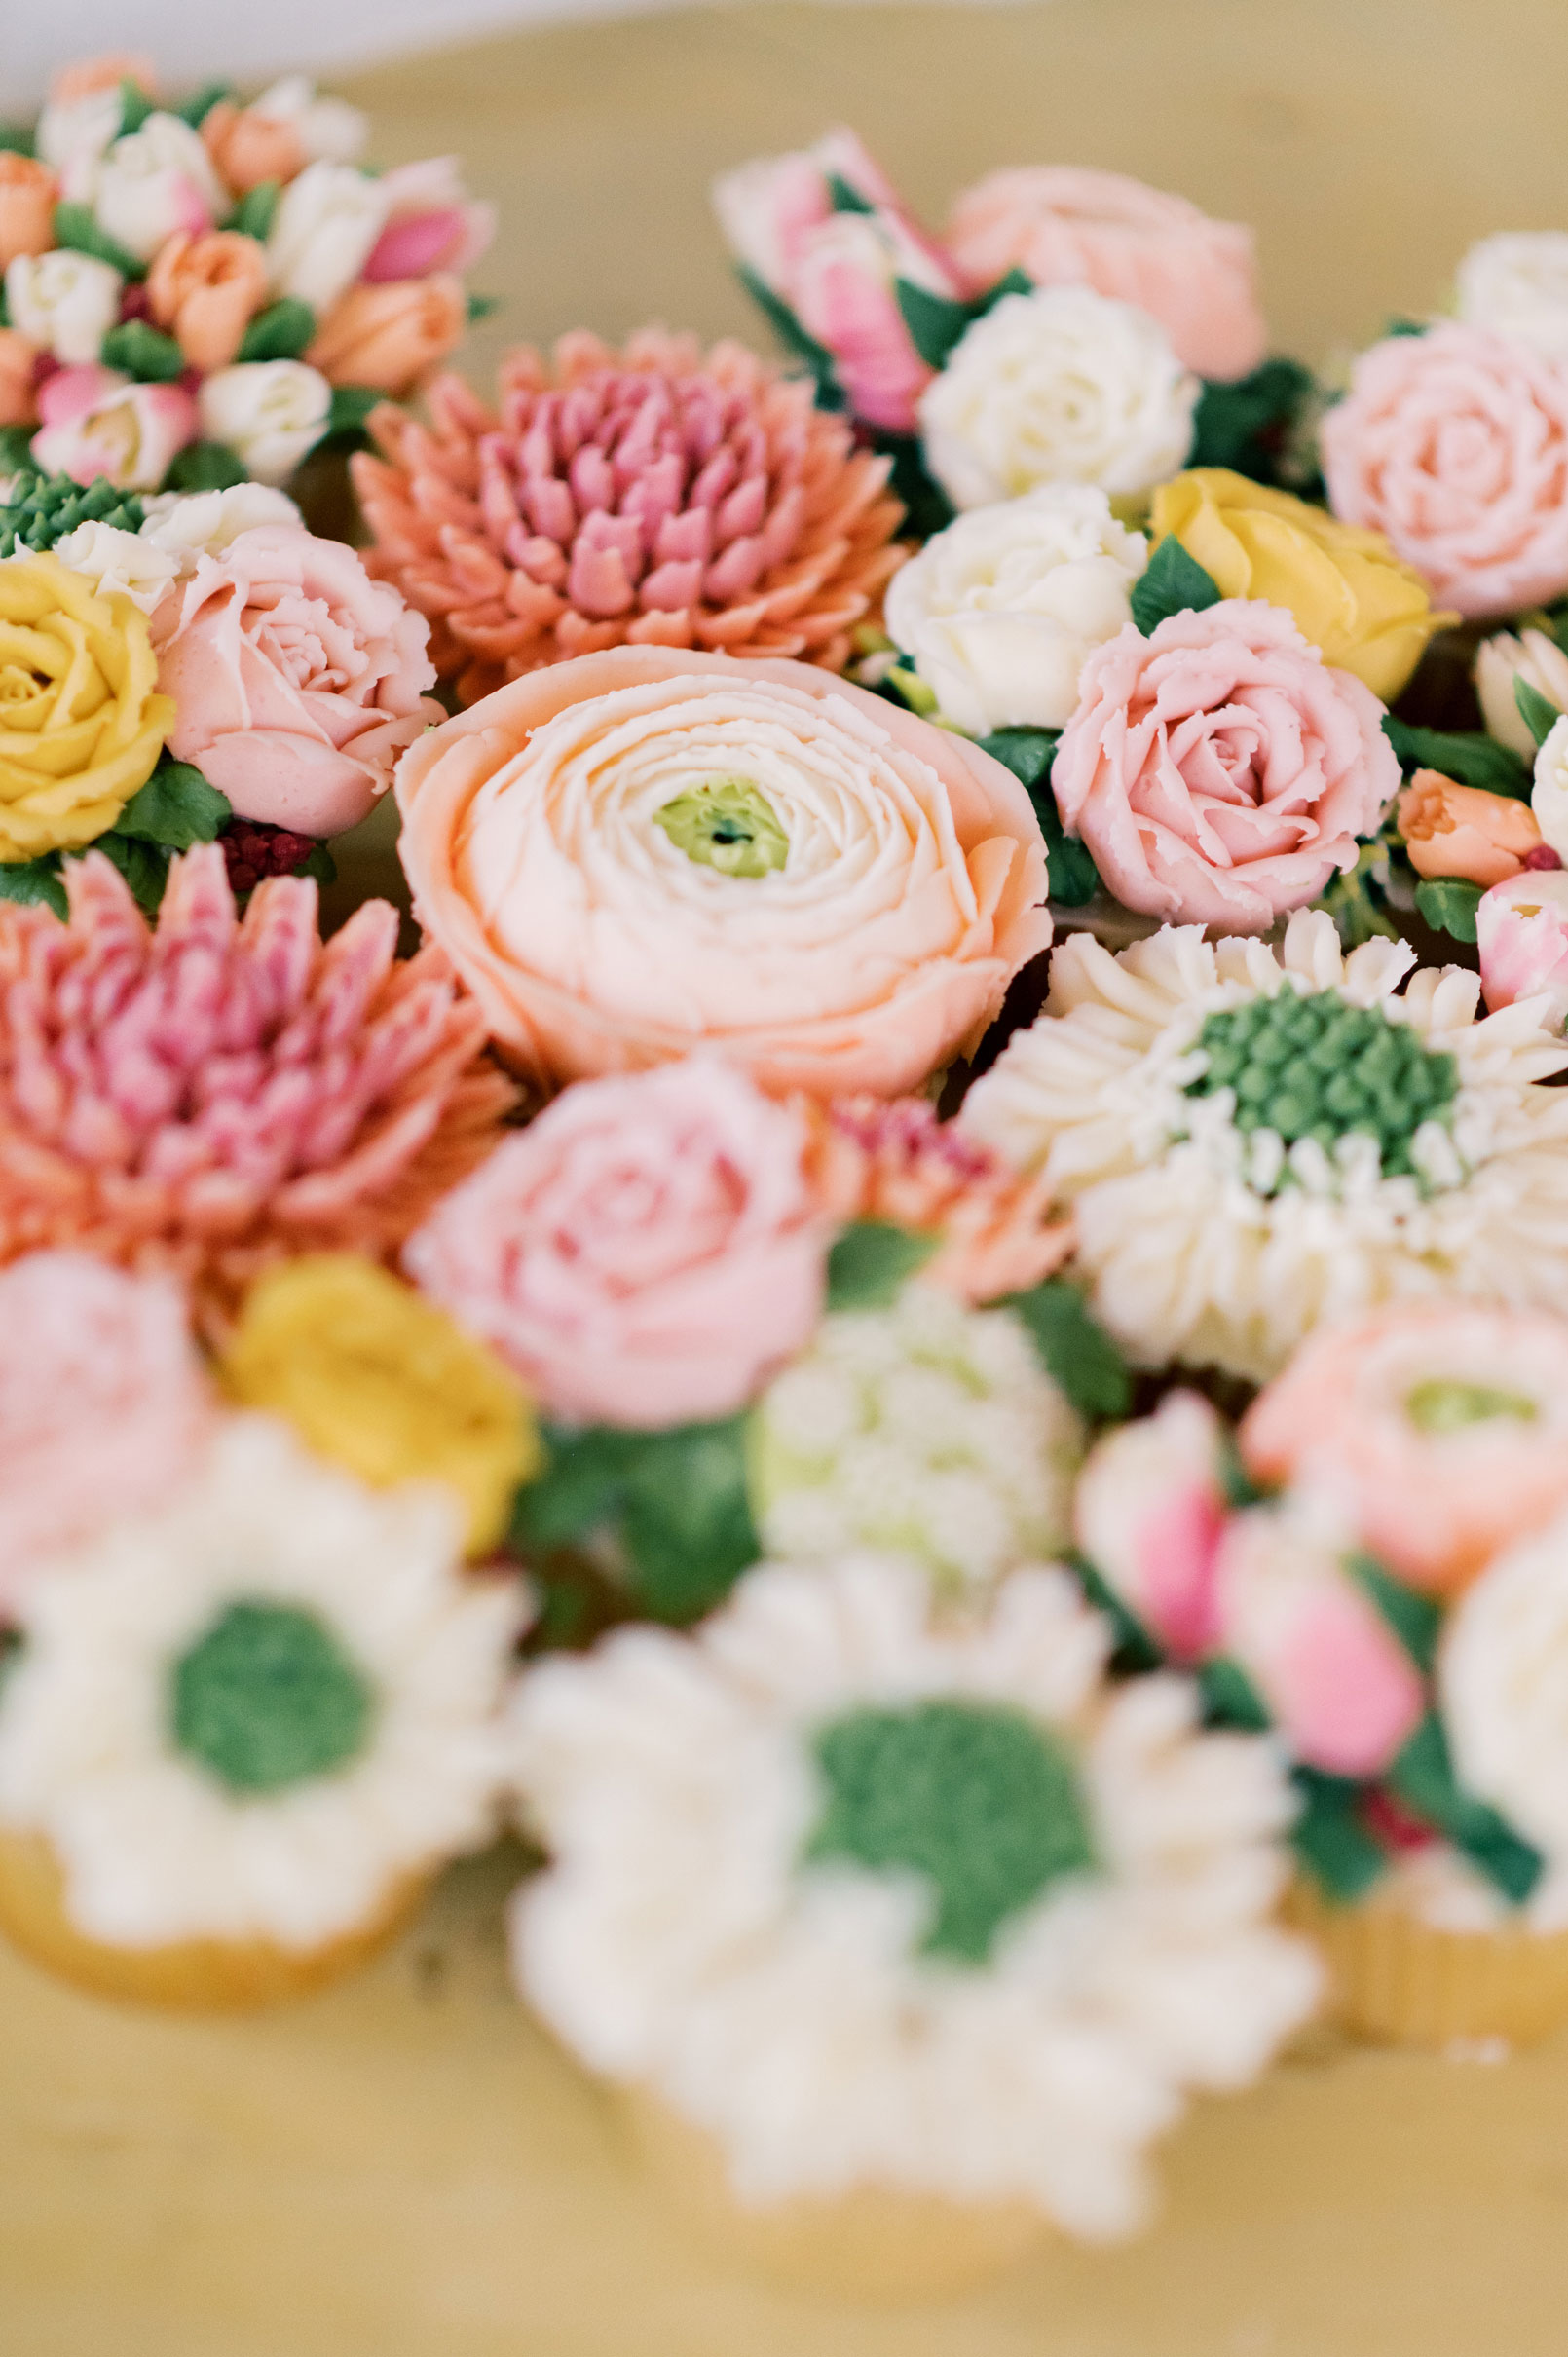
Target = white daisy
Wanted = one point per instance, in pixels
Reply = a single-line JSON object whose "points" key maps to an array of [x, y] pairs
{"points": [[876, 1898], [1255, 1143], [247, 1716]]}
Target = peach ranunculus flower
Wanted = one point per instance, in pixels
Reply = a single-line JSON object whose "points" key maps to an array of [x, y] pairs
{"points": [[1219, 770], [17, 360], [1438, 1431], [1464, 831], [647, 1252], [388, 336], [1069, 226], [248, 148], [1455, 445], [637, 852], [206, 290], [297, 679], [28, 192]]}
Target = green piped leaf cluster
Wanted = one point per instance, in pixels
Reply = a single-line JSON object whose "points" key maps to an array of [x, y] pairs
{"points": [[175, 809], [1249, 425], [48, 509]]}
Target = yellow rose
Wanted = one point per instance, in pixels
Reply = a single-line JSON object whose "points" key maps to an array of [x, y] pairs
{"points": [[81, 722], [1349, 592], [378, 1380]]}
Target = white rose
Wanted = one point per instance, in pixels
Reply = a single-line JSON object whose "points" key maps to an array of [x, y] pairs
{"points": [[268, 412], [71, 138], [1061, 386], [202, 523], [112, 559], [1548, 795], [329, 129], [64, 302], [155, 182], [1517, 285], [1531, 657], [1502, 1686], [326, 222], [998, 611]]}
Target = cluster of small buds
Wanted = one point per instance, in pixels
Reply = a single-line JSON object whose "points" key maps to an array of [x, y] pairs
{"points": [[253, 852]]}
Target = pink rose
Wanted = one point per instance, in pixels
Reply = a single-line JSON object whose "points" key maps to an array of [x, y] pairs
{"points": [[1150, 1514], [298, 678], [1068, 226], [1338, 1683], [103, 1404], [1439, 1432], [1522, 933], [647, 1253], [98, 422], [1219, 772], [1455, 444], [432, 223]]}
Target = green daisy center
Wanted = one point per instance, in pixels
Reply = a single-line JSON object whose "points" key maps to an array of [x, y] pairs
{"points": [[1317, 1067], [1442, 1406], [726, 823], [268, 1697], [973, 1797]]}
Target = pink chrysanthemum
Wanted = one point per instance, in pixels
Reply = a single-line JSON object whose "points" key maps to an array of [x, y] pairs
{"points": [[656, 495], [215, 1095]]}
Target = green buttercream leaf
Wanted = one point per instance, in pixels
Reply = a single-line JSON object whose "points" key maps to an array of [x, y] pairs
{"points": [[318, 865], [143, 351], [1400, 327], [1136, 1649], [1028, 752], [267, 1699], [1074, 1348], [935, 321], [135, 107], [480, 307], [927, 509], [34, 883], [1229, 1696], [75, 227], [675, 1499], [1470, 757], [1415, 1620], [252, 216], [1244, 424], [352, 406], [143, 865], [794, 338], [204, 466], [1172, 583], [175, 809], [1015, 281], [1071, 875], [17, 139], [281, 332], [1331, 1839], [871, 1262], [844, 198], [196, 109], [1449, 904], [1422, 1778], [1538, 712]]}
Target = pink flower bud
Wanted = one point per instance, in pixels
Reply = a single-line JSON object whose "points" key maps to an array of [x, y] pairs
{"points": [[1150, 1514], [1521, 932], [96, 422]]}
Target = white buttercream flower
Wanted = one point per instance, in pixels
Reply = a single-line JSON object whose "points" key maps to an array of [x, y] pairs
{"points": [[326, 222], [1548, 795], [875, 1899], [1061, 386], [112, 559], [252, 1713], [268, 412], [155, 183], [72, 136], [998, 611], [1503, 1683], [1516, 285], [1235, 1186], [329, 129], [1535, 659], [929, 1430], [202, 523], [64, 302]]}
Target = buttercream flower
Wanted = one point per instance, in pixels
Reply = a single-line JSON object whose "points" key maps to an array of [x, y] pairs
{"points": [[1548, 793], [1351, 596], [103, 1404], [1455, 444], [28, 191], [376, 1380], [84, 115], [743, 517], [1068, 226], [268, 412], [155, 183], [206, 289], [1437, 1429], [1149, 1513], [1219, 770], [1253, 1144], [249, 148], [18, 404], [927, 1430], [329, 129], [64, 303], [647, 850], [1521, 936], [106, 70], [1516, 285], [1339, 1685], [213, 1095], [297, 679], [115, 560], [645, 1254], [432, 223], [783, 1900], [81, 721], [1502, 1685], [251, 1714], [993, 1233], [389, 335], [1454, 829], [1063, 385], [837, 271], [1503, 658], [326, 222], [204, 523], [998, 611], [98, 422]]}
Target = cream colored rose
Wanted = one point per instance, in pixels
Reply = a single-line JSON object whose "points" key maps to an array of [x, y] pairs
{"points": [[268, 412], [64, 302], [1503, 1684], [1061, 386], [998, 611], [204, 523], [325, 225], [1516, 285], [112, 559]]}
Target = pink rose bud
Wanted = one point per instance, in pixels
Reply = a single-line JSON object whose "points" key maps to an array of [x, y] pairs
{"points": [[98, 422], [1150, 1514], [432, 223], [1521, 932]]}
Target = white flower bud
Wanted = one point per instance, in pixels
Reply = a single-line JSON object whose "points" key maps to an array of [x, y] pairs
{"points": [[1516, 285], [1531, 657], [64, 302], [268, 412], [71, 137], [325, 225], [202, 523], [329, 129], [153, 183], [115, 560], [1548, 795]]}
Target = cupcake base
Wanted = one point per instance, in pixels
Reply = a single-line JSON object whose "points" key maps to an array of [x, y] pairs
{"points": [[188, 1975], [1398, 1980], [875, 2243]]}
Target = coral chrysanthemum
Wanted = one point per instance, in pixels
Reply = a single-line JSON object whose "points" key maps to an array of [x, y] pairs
{"points": [[656, 495], [212, 1094]]}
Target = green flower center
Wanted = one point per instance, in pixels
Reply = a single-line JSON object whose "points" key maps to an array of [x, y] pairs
{"points": [[1444, 1406], [47, 507], [726, 823], [267, 1699], [1317, 1067], [973, 1797]]}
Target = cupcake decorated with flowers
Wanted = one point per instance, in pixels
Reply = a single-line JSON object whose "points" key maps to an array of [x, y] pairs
{"points": [[880, 1918]]}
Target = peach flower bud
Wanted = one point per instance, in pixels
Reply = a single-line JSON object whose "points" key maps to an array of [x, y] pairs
{"points": [[1149, 1514], [1521, 932], [206, 290], [18, 406], [388, 336], [104, 71], [1464, 831], [248, 148], [27, 196]]}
